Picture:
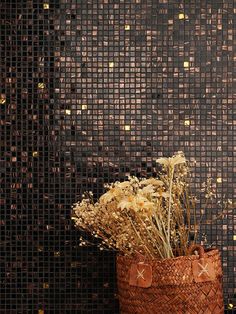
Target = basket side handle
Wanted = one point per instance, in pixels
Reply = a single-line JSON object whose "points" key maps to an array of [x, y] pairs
{"points": [[196, 247]]}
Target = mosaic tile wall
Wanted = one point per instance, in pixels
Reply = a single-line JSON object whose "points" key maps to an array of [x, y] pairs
{"points": [[90, 92]]}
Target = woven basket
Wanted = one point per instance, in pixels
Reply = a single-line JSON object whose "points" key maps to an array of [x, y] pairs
{"points": [[186, 284]]}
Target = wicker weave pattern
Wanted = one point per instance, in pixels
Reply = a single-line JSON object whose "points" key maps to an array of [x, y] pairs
{"points": [[173, 289]]}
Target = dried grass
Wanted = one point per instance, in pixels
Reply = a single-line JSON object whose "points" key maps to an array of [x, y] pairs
{"points": [[147, 216]]}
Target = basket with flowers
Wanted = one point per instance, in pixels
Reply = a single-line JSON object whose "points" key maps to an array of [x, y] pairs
{"points": [[151, 223]]}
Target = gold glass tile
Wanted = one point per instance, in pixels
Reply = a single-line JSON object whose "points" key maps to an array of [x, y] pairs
{"points": [[41, 85], [84, 107], [186, 64], [181, 16], [2, 100], [46, 6], [35, 154]]}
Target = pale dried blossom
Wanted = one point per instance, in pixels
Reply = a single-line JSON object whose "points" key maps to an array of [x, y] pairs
{"points": [[172, 161], [150, 216], [208, 189]]}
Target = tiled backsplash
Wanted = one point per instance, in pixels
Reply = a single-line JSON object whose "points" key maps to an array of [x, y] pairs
{"points": [[90, 92]]}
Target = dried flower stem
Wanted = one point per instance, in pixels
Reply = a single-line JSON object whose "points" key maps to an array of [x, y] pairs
{"points": [[165, 243], [169, 207], [137, 233]]}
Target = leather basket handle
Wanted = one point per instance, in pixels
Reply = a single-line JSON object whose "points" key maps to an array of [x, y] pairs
{"points": [[196, 247], [203, 268]]}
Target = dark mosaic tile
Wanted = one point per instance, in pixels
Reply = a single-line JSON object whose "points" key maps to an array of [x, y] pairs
{"points": [[92, 91]]}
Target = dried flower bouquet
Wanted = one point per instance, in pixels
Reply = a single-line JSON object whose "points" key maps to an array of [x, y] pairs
{"points": [[148, 216]]}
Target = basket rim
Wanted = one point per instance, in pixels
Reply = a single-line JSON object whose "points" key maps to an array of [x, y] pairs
{"points": [[208, 253]]}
